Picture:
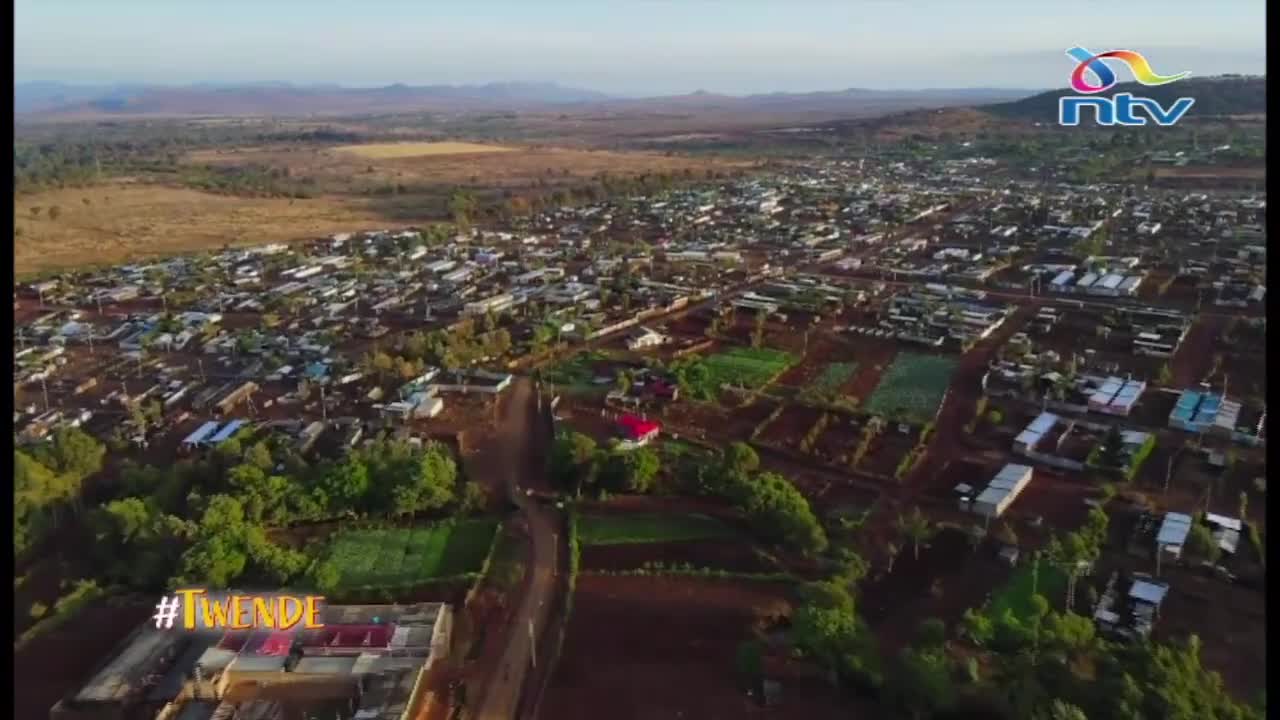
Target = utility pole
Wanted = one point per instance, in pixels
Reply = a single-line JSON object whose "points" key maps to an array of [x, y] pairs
{"points": [[324, 408], [533, 650], [44, 388]]}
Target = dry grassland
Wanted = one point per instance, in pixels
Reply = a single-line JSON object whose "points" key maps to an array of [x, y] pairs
{"points": [[519, 167], [385, 151], [129, 221]]}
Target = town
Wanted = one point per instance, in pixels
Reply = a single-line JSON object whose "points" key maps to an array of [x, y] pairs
{"points": [[990, 412]]}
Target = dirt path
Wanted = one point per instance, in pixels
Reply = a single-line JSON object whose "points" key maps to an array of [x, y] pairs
{"points": [[515, 455]]}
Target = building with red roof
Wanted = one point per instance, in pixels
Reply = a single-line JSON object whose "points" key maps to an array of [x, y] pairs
{"points": [[637, 429]]}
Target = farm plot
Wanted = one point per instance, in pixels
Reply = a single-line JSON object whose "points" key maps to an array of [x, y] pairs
{"points": [[703, 420], [664, 647], [788, 430], [403, 557], [913, 387], [733, 556], [622, 529], [745, 368], [888, 449], [833, 376]]}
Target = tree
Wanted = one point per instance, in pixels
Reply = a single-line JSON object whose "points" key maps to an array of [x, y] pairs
{"points": [[976, 627], [740, 458], [259, 456], [1068, 635], [1165, 377], [1061, 710], [1112, 452], [475, 498], [1201, 543], [324, 576], [462, 205], [631, 471], [932, 634], [916, 528], [921, 684]]}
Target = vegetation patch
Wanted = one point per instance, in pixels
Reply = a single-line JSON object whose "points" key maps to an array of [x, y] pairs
{"points": [[650, 528], [391, 557], [826, 387], [747, 368], [1016, 595], [912, 388]]}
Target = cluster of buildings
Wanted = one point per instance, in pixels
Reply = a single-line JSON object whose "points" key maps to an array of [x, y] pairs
{"points": [[368, 661]]}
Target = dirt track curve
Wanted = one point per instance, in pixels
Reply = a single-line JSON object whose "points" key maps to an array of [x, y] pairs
{"points": [[522, 435]]}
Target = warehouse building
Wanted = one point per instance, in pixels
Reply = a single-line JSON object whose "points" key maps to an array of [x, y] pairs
{"points": [[1003, 489]]}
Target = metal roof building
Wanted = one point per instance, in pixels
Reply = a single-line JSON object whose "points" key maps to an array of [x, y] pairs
{"points": [[1173, 533], [1003, 489]]}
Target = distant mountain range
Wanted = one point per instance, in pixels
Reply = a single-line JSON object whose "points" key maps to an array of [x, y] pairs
{"points": [[1219, 95], [41, 101]]}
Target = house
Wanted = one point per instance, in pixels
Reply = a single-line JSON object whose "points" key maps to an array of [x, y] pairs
{"points": [[644, 338], [1003, 489], [638, 431], [1173, 534]]}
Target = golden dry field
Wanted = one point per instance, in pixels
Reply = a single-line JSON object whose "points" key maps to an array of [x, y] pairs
{"points": [[386, 151], [336, 169], [125, 221]]}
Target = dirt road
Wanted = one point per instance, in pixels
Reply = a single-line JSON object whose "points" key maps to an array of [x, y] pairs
{"points": [[519, 449]]}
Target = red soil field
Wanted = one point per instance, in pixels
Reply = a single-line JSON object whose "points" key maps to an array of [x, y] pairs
{"points": [[731, 555], [641, 648], [790, 427]]}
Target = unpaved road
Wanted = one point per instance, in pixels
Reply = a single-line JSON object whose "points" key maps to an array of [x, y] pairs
{"points": [[519, 453]]}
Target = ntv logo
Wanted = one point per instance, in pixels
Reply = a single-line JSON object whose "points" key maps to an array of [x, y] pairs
{"points": [[1117, 110]]}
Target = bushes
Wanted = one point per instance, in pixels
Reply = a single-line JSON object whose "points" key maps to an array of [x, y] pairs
{"points": [[85, 592]]}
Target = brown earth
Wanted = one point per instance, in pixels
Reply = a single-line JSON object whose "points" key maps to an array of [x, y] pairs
{"points": [[731, 555], [664, 647]]}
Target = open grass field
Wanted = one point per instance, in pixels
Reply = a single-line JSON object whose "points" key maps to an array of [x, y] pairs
{"points": [[381, 151], [912, 387], [127, 221], [338, 170], [406, 556], [649, 528]]}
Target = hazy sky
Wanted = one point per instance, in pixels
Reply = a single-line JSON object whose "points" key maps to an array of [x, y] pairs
{"points": [[626, 46]]}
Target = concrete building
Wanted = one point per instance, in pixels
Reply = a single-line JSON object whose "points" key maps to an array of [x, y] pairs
{"points": [[372, 657]]}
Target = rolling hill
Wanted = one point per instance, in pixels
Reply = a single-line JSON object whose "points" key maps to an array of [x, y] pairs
{"points": [[1215, 96], [35, 102]]}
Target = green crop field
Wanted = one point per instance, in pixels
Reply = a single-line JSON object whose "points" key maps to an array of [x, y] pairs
{"points": [[826, 387], [740, 367], [912, 388], [649, 528], [405, 556]]}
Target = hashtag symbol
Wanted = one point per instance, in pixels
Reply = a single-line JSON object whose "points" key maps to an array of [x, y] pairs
{"points": [[166, 612]]}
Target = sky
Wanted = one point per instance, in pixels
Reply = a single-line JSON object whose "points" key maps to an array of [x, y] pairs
{"points": [[625, 47]]}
